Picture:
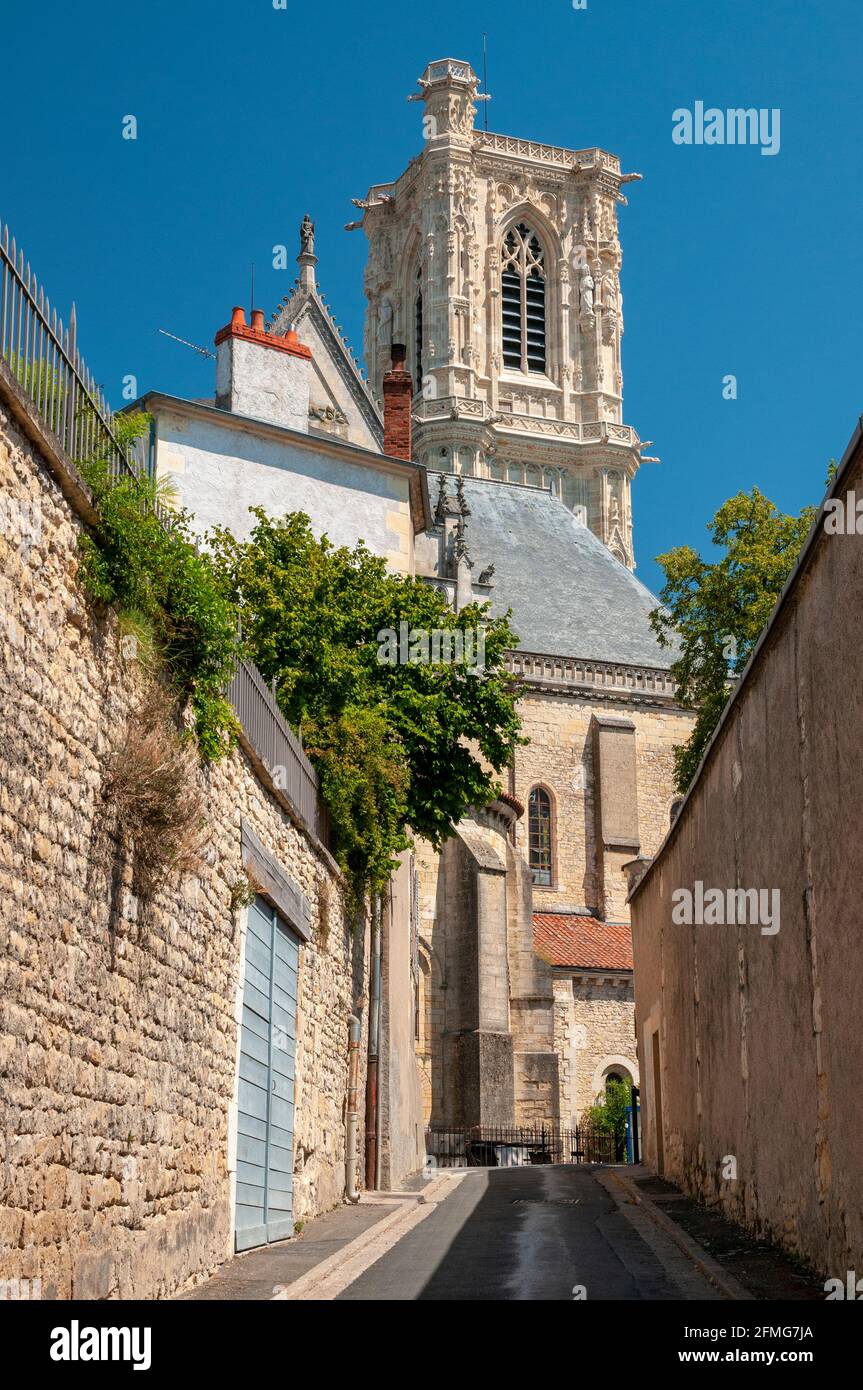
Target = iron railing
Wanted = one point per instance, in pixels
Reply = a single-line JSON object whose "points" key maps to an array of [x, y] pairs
{"points": [[277, 746], [501, 1147], [43, 357]]}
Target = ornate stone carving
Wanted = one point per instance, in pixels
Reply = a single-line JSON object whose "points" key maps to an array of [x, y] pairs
{"points": [[328, 414], [587, 286], [448, 213]]}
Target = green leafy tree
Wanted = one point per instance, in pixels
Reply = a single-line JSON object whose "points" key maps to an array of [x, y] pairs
{"points": [[609, 1117], [717, 611], [401, 748]]}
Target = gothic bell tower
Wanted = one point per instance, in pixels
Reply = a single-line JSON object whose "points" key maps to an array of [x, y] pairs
{"points": [[497, 261]]}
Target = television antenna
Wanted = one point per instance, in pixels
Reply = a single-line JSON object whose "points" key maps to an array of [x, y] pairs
{"points": [[205, 352]]}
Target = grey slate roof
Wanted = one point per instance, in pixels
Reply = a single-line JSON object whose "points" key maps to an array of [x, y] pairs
{"points": [[568, 594]]}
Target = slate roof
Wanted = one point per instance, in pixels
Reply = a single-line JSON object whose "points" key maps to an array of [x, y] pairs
{"points": [[568, 594], [561, 938]]}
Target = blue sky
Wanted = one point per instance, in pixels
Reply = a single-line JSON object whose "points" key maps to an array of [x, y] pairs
{"points": [[734, 262]]}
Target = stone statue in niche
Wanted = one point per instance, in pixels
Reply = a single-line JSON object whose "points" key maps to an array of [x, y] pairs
{"points": [[615, 501], [307, 236], [587, 286], [610, 306]]}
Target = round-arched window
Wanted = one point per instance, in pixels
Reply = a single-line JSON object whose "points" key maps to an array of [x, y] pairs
{"points": [[539, 836]]}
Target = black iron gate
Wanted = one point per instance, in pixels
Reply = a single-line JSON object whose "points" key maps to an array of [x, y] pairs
{"points": [[493, 1147]]}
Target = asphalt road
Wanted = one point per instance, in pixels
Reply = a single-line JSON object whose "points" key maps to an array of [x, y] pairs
{"points": [[532, 1233]]}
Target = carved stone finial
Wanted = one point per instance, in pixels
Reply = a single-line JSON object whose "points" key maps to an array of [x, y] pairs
{"points": [[440, 508], [463, 507], [463, 565], [461, 540]]}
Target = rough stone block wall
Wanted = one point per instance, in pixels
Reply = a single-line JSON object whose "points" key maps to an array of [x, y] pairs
{"points": [[603, 1035], [594, 1029], [118, 1036], [564, 1045]]}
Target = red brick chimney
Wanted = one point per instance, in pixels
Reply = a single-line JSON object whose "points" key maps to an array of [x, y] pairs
{"points": [[398, 396]]}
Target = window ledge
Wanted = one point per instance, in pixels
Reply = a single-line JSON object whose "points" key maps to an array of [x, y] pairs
{"points": [[539, 379]]}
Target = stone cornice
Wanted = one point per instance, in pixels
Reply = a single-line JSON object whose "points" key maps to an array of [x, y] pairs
{"points": [[614, 680], [536, 152]]}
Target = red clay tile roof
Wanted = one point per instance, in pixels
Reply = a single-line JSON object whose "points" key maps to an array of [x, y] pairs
{"points": [[561, 938]]}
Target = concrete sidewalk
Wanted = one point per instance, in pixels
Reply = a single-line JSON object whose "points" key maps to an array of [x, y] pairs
{"points": [[257, 1274], [737, 1263]]}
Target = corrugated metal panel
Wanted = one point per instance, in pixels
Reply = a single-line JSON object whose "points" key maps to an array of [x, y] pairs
{"points": [[265, 1128]]}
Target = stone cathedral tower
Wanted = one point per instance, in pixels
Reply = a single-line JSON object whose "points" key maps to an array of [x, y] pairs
{"points": [[496, 261]]}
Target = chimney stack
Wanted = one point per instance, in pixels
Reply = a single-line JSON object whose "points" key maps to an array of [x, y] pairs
{"points": [[398, 399], [262, 375]]}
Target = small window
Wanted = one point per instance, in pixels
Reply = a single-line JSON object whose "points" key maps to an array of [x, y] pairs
{"points": [[522, 285], [539, 836]]}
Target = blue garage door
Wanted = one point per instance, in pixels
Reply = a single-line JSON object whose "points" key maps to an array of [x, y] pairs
{"points": [[265, 1137]]}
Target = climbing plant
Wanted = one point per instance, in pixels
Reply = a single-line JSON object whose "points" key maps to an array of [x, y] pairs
{"points": [[165, 589]]}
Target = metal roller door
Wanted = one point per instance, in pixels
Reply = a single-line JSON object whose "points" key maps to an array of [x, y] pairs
{"points": [[265, 1128]]}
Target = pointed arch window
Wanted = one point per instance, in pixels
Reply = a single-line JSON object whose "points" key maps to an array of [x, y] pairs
{"points": [[522, 285], [418, 331], [539, 836]]}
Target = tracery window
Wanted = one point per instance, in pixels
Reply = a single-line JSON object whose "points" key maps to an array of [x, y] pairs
{"points": [[522, 283], [539, 836]]}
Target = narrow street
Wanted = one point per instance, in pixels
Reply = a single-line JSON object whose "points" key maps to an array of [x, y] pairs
{"points": [[532, 1234]]}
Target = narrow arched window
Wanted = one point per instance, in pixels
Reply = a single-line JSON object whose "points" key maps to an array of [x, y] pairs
{"points": [[539, 836], [418, 330], [522, 284]]}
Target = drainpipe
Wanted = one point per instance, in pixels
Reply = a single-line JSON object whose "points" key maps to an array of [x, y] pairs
{"points": [[351, 1116], [372, 1116]]}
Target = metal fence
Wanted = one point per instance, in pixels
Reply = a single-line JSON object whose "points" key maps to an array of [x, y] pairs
{"points": [[43, 357], [501, 1147]]}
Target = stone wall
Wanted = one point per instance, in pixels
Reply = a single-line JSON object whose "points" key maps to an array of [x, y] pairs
{"points": [[561, 757], [750, 1036], [486, 1044], [118, 1018], [403, 1142], [222, 465], [594, 1032]]}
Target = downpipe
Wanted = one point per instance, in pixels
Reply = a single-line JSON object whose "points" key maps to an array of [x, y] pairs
{"points": [[351, 1115], [372, 1108]]}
